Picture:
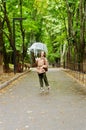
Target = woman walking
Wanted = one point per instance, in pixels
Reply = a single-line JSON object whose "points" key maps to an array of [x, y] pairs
{"points": [[42, 66]]}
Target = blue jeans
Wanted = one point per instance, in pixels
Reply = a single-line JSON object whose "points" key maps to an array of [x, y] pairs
{"points": [[43, 78]]}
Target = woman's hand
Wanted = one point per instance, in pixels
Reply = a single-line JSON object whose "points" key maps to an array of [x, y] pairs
{"points": [[41, 67], [44, 66]]}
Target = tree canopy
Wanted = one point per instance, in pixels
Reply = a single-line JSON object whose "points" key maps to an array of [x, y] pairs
{"points": [[60, 24]]}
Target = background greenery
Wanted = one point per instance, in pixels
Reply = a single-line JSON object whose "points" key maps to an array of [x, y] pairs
{"points": [[60, 24]]}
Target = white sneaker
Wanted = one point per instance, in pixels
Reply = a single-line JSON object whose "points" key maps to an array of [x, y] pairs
{"points": [[42, 89]]}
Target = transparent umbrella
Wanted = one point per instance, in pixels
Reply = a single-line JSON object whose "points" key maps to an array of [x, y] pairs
{"points": [[37, 47]]}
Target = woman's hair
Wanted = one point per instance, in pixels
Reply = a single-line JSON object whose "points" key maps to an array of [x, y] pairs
{"points": [[44, 53]]}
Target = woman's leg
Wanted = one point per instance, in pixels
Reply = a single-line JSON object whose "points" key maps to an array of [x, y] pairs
{"points": [[41, 80], [45, 79]]}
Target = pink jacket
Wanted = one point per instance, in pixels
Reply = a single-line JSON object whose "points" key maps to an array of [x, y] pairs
{"points": [[41, 64]]}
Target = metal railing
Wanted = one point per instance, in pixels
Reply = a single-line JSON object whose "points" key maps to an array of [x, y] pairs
{"points": [[77, 70]]}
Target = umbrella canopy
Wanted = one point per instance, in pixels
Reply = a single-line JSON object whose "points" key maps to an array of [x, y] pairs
{"points": [[37, 47]]}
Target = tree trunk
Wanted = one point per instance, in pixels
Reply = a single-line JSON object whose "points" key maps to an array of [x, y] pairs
{"points": [[82, 33], [70, 24], [6, 61], [10, 36], [1, 45], [1, 63]]}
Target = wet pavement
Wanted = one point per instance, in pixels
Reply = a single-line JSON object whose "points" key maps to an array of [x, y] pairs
{"points": [[22, 107]]}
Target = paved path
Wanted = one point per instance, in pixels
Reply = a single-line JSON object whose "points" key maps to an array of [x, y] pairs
{"points": [[22, 107]]}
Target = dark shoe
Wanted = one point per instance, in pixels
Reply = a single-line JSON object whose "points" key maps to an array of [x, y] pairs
{"points": [[49, 87]]}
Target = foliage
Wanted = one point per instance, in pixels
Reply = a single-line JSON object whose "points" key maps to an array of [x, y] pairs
{"points": [[51, 22]]}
